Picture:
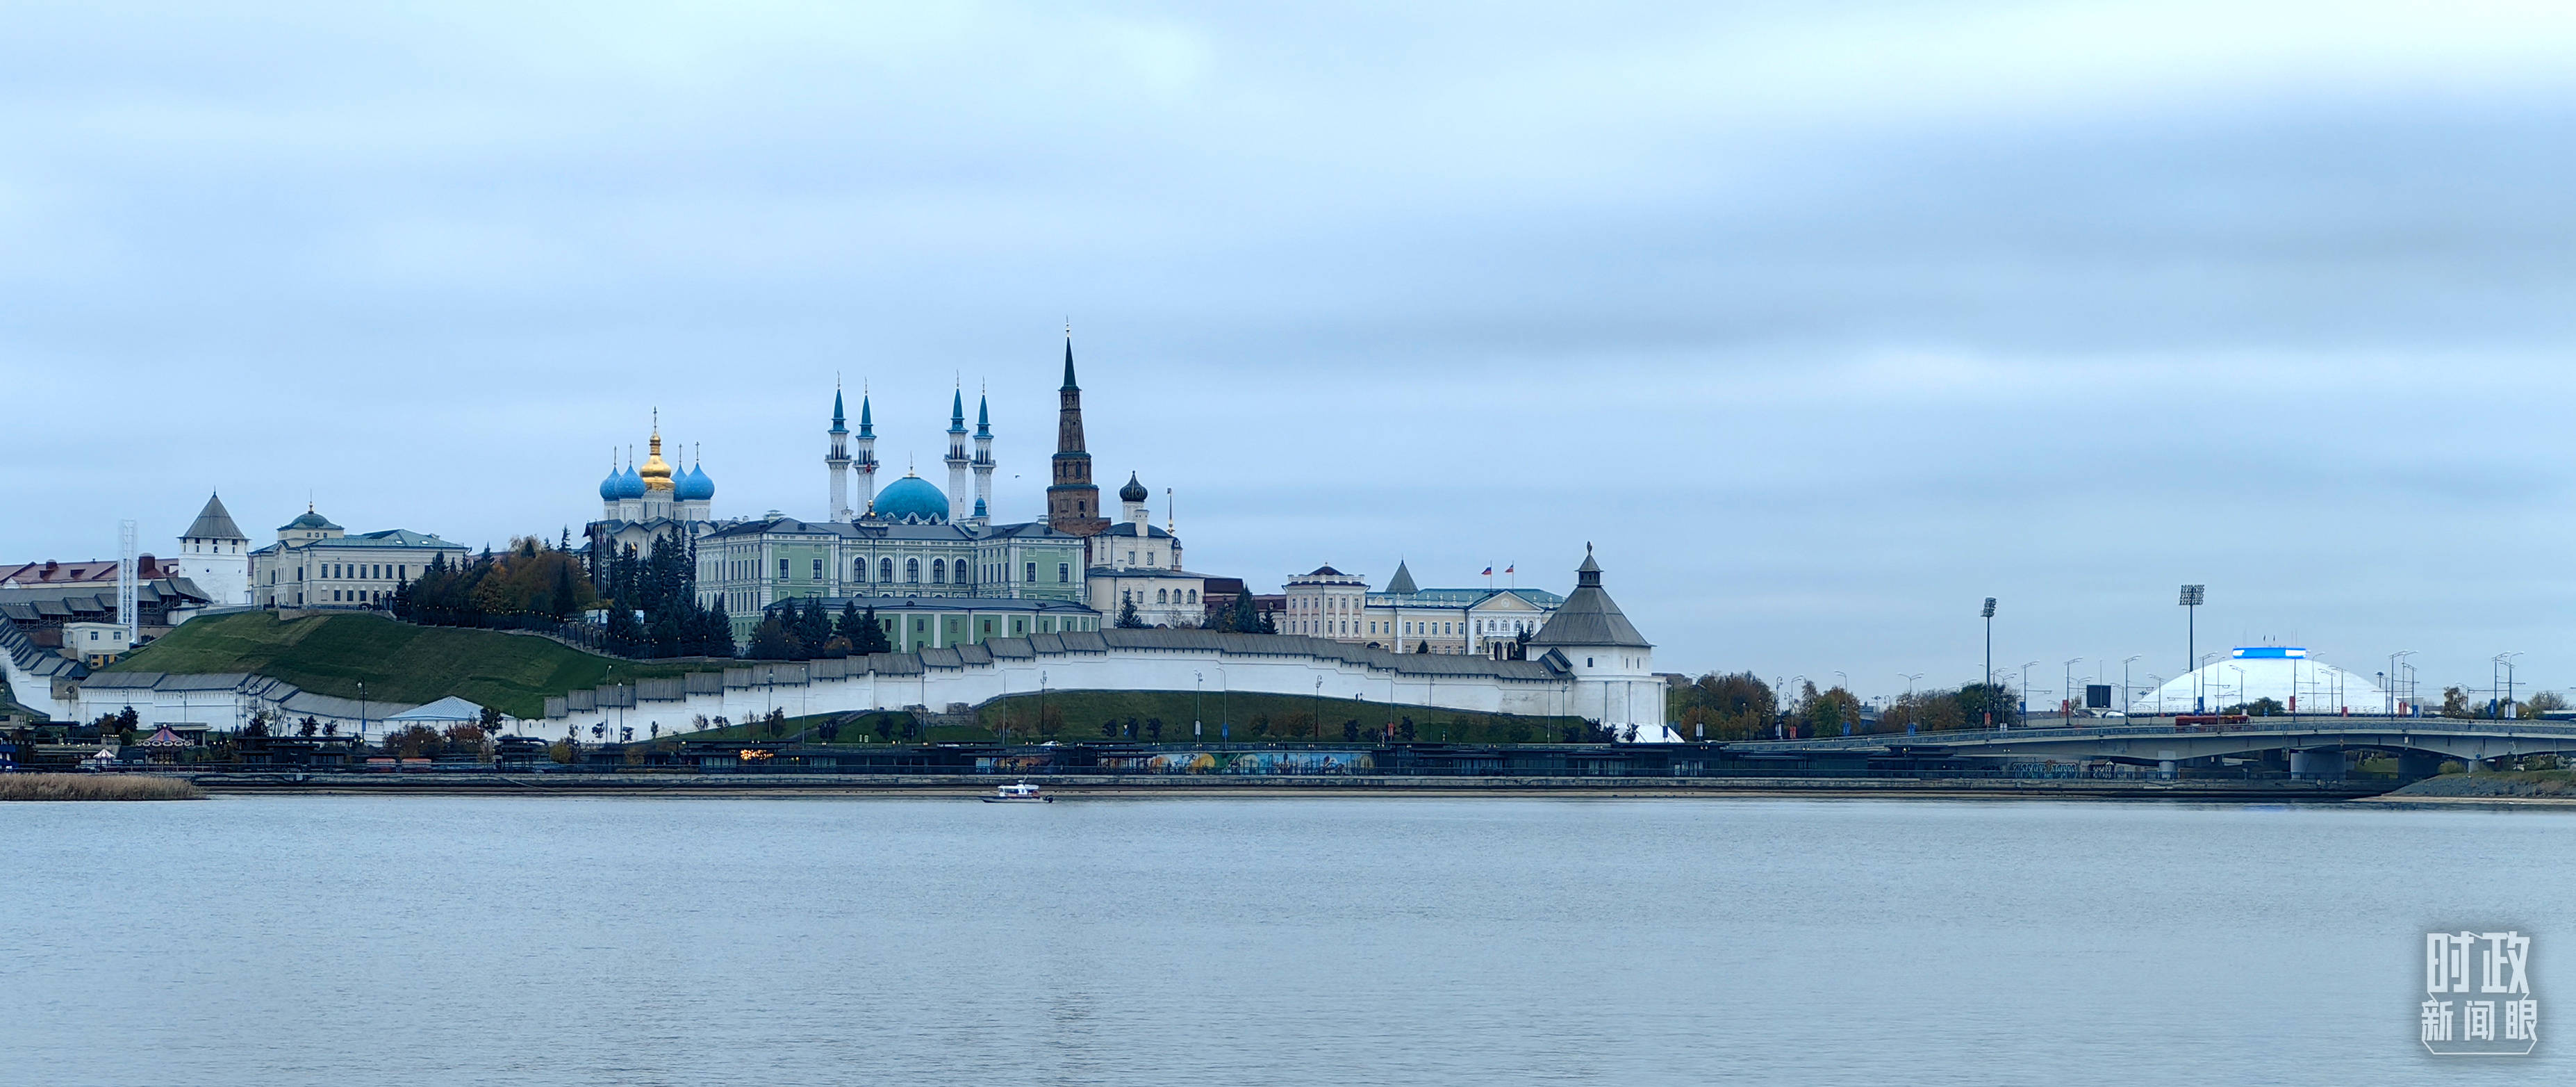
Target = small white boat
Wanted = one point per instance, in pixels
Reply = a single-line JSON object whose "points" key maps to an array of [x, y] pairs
{"points": [[1022, 793]]}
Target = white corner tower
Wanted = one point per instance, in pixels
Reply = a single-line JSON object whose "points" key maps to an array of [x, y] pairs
{"points": [[1611, 666], [214, 554]]}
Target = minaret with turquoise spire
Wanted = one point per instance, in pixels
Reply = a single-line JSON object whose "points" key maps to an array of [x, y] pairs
{"points": [[983, 458], [838, 460], [867, 453], [959, 508]]}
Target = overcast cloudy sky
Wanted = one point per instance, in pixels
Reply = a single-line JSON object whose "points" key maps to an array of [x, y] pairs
{"points": [[1820, 322]]}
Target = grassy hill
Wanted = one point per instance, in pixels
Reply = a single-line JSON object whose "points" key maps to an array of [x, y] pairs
{"points": [[398, 662]]}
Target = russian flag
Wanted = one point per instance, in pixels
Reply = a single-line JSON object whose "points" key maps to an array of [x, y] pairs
{"points": [[1489, 572]]}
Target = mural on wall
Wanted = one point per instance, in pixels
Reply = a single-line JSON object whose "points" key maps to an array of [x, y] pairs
{"points": [[1243, 762], [1193, 762]]}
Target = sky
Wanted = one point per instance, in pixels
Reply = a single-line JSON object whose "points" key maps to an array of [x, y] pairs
{"points": [[1819, 322]]}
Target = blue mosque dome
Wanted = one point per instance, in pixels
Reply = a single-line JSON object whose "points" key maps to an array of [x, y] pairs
{"points": [[693, 485], [630, 483], [912, 500]]}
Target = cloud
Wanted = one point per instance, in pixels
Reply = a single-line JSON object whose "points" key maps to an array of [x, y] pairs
{"points": [[1819, 321]]}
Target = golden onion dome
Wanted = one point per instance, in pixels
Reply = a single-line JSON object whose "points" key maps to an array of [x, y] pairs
{"points": [[656, 473]]}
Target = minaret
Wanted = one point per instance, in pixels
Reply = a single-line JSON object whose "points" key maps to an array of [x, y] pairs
{"points": [[983, 458], [1073, 504], [838, 460], [867, 453], [959, 507]]}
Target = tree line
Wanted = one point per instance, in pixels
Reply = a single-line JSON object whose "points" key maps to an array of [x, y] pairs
{"points": [[806, 630], [651, 599], [1740, 706]]}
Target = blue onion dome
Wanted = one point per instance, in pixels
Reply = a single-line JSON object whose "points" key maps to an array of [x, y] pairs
{"points": [[608, 487], [912, 501], [630, 483], [1133, 491], [693, 485]]}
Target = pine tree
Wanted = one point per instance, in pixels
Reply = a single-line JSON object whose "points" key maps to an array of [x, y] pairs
{"points": [[814, 627], [1127, 618], [871, 636]]}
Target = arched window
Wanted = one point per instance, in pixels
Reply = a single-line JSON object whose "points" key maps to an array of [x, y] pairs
{"points": [[939, 571], [912, 571], [885, 569], [1158, 597], [1194, 596], [858, 569]]}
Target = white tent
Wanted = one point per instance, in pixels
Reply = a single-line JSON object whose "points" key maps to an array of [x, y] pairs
{"points": [[450, 710], [2284, 674]]}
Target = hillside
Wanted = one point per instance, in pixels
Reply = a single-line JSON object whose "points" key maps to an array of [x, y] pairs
{"points": [[399, 662]]}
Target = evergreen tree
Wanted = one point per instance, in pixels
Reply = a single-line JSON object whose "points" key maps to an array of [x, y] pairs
{"points": [[814, 626], [871, 637], [1127, 618], [771, 642], [717, 637]]}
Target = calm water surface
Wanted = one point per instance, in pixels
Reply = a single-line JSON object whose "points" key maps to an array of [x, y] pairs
{"points": [[622, 941]]}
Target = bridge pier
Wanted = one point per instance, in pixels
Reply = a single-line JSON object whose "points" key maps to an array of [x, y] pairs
{"points": [[2412, 764], [2322, 765]]}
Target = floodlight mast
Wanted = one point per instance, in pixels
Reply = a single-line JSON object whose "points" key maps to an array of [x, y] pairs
{"points": [[1988, 697], [2192, 597]]}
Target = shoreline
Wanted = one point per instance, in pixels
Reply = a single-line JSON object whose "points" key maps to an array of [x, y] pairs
{"points": [[1131, 786]]}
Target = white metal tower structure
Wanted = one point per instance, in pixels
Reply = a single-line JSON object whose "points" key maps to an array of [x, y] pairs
{"points": [[125, 584]]}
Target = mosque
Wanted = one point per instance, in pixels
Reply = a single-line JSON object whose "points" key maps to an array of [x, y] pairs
{"points": [[937, 565]]}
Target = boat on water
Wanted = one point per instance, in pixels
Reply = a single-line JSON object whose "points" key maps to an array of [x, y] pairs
{"points": [[1021, 793]]}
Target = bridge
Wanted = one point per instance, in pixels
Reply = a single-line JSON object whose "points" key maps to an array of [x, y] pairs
{"points": [[2304, 746]]}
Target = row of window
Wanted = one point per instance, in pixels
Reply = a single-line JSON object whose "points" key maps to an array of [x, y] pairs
{"points": [[381, 571], [940, 571], [1161, 596]]}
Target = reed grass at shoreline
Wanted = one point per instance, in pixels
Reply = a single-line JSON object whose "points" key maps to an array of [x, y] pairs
{"points": [[96, 787]]}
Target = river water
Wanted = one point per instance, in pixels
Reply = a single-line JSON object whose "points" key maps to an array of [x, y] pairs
{"points": [[1254, 941]]}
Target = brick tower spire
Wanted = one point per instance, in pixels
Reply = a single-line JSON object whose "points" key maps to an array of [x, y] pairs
{"points": [[1073, 503]]}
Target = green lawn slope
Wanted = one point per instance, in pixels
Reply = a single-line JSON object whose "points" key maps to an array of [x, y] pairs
{"points": [[397, 661]]}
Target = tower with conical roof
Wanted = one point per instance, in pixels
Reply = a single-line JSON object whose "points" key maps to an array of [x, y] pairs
{"points": [[1611, 666], [983, 459], [838, 460], [214, 554], [1073, 503], [959, 506]]}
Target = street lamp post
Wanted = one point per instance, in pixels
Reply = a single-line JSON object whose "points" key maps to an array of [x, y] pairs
{"points": [[2507, 659], [1198, 688], [2128, 697], [1910, 677], [2069, 700], [1844, 682], [2024, 696]]}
